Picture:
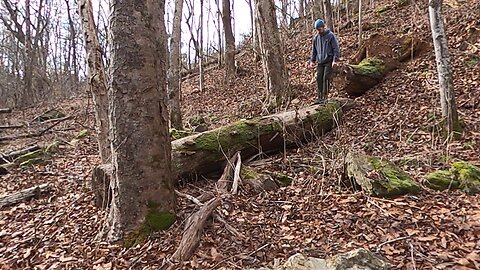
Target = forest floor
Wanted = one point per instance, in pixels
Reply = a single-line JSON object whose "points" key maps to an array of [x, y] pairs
{"points": [[316, 215]]}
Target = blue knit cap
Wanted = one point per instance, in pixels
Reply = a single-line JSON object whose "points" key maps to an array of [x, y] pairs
{"points": [[319, 23]]}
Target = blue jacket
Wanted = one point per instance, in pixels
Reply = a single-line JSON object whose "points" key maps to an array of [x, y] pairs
{"points": [[325, 48]]}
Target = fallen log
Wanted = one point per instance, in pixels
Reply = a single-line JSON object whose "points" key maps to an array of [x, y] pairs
{"points": [[207, 151], [378, 176], [10, 157], [193, 230], [5, 110], [14, 198]]}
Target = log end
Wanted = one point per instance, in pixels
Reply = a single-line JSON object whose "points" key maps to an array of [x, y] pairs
{"points": [[379, 177]]}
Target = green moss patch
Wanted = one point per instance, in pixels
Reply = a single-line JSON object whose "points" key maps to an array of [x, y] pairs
{"points": [[176, 134], [283, 179], [233, 135], [441, 180], [82, 134], [393, 182], [154, 221], [373, 67], [462, 175]]}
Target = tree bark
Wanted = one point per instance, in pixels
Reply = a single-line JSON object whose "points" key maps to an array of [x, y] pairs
{"points": [[14, 198], [229, 41], [301, 8], [97, 78], [142, 189], [444, 68], [360, 23], [174, 78], [275, 73]]}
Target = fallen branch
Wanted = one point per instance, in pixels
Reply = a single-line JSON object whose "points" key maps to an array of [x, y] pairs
{"points": [[14, 198], [10, 157], [224, 180], [193, 230], [11, 126], [5, 110], [236, 174], [36, 134]]}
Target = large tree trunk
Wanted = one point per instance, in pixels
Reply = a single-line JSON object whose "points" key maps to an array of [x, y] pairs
{"points": [[143, 199], [97, 78], [205, 152], [444, 68], [229, 41], [275, 73], [174, 78]]}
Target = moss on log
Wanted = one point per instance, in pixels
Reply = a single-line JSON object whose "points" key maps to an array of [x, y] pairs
{"points": [[205, 152], [379, 177], [364, 76], [462, 175]]}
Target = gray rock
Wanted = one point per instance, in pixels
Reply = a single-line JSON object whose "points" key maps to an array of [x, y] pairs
{"points": [[359, 259]]}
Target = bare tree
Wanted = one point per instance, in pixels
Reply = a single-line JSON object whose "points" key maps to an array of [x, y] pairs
{"points": [[97, 78], [229, 41], [275, 73], [174, 73], [142, 190], [360, 23], [327, 7], [444, 68]]}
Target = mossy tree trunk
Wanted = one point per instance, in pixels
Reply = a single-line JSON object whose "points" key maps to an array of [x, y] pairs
{"points": [[143, 199], [205, 152]]}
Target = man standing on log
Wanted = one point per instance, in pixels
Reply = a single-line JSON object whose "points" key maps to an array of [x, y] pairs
{"points": [[325, 54]]}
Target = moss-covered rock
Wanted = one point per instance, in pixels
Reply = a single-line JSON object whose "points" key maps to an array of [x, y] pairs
{"points": [[441, 180], [462, 175], [379, 177], [260, 181]]}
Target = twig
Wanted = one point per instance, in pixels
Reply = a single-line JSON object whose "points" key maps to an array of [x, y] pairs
{"points": [[236, 174], [412, 255], [391, 241]]}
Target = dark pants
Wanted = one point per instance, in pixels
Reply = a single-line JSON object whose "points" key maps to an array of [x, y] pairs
{"points": [[324, 74]]}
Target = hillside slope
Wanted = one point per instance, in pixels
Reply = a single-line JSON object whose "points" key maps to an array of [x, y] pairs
{"points": [[317, 215]]}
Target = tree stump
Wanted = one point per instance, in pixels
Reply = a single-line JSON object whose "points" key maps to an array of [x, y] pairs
{"points": [[101, 177]]}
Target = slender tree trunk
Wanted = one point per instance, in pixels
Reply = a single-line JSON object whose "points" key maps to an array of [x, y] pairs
{"points": [[97, 78], [359, 23], [327, 7], [142, 190], [301, 8], [174, 78], [229, 41], [219, 34], [272, 54], [444, 67], [28, 67], [200, 47], [73, 44]]}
